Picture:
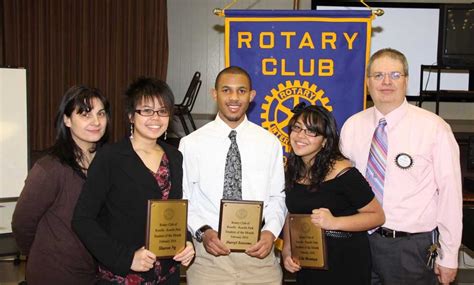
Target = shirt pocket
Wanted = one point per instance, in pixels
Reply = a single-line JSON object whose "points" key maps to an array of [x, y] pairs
{"points": [[420, 170]]}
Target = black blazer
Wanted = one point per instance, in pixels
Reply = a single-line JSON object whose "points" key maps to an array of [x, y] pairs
{"points": [[111, 213]]}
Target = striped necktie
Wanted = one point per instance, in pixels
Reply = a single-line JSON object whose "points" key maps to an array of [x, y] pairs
{"points": [[375, 172]]}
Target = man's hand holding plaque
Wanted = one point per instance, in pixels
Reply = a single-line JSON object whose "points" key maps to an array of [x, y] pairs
{"points": [[308, 245], [213, 244], [263, 247], [240, 225]]}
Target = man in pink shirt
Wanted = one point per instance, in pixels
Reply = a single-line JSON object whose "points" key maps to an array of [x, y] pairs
{"points": [[420, 177]]}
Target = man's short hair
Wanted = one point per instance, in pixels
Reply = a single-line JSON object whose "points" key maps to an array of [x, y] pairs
{"points": [[233, 70], [391, 53]]}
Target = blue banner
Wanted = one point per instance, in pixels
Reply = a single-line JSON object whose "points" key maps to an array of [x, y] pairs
{"points": [[317, 57]]}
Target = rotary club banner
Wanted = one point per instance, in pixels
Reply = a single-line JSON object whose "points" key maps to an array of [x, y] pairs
{"points": [[317, 57]]}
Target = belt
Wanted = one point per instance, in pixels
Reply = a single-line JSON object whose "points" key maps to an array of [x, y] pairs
{"points": [[337, 234], [389, 233]]}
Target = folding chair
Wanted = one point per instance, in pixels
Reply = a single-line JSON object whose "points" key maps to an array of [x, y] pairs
{"points": [[186, 106]]}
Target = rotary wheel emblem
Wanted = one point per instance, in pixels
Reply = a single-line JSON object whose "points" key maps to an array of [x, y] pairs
{"points": [[241, 214], [277, 107], [168, 214]]}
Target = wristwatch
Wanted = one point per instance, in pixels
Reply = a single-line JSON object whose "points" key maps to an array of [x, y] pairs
{"points": [[200, 232]]}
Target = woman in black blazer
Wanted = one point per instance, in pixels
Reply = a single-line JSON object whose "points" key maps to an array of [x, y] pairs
{"points": [[111, 214]]}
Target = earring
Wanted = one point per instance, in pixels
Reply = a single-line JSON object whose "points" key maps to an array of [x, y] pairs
{"points": [[131, 130], [166, 133]]}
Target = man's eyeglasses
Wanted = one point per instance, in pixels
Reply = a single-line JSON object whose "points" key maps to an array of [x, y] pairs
{"points": [[309, 133], [150, 112], [394, 75]]}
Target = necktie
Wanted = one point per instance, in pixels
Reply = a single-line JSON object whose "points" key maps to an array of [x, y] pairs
{"points": [[375, 172], [233, 171]]}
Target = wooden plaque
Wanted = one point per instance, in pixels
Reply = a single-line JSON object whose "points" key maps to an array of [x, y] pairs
{"points": [[166, 227], [308, 242], [240, 223]]}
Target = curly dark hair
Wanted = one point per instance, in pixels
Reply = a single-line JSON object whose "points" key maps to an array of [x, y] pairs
{"points": [[321, 121]]}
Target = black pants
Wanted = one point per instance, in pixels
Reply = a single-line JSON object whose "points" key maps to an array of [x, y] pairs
{"points": [[402, 260]]}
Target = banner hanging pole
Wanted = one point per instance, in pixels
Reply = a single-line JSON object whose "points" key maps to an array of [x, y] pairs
{"points": [[296, 6], [221, 11], [377, 12]]}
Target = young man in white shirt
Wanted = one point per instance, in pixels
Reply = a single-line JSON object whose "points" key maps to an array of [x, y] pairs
{"points": [[262, 179]]}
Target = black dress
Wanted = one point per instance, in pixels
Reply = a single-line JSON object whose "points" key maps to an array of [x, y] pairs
{"points": [[348, 258]]}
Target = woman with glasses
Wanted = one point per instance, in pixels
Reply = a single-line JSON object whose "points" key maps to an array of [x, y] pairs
{"points": [[42, 218], [111, 214], [321, 182]]}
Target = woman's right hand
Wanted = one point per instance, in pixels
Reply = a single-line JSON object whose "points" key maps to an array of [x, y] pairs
{"points": [[143, 260], [290, 264], [324, 219]]}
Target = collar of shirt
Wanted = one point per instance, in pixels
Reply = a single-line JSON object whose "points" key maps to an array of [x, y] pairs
{"points": [[224, 129], [393, 117]]}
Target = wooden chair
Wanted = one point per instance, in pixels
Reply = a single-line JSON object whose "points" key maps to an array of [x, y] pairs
{"points": [[186, 106]]}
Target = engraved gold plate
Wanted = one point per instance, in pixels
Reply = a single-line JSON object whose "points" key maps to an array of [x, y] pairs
{"points": [[308, 243], [166, 227], [240, 223]]}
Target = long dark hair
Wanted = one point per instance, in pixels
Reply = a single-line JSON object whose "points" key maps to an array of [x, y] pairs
{"points": [[321, 121], [79, 99]]}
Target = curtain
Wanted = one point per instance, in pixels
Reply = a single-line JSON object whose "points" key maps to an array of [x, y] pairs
{"points": [[100, 43]]}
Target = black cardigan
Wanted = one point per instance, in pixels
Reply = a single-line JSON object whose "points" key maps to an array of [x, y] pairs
{"points": [[111, 213]]}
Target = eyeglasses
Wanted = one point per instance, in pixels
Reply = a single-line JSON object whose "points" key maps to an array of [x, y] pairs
{"points": [[150, 112], [309, 133], [394, 75]]}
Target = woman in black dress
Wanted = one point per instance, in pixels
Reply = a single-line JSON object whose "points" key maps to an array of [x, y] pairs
{"points": [[320, 181]]}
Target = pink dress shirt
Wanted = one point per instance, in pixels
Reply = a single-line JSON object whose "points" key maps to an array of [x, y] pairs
{"points": [[421, 196]]}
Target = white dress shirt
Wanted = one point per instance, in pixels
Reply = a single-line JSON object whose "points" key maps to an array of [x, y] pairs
{"points": [[205, 151]]}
